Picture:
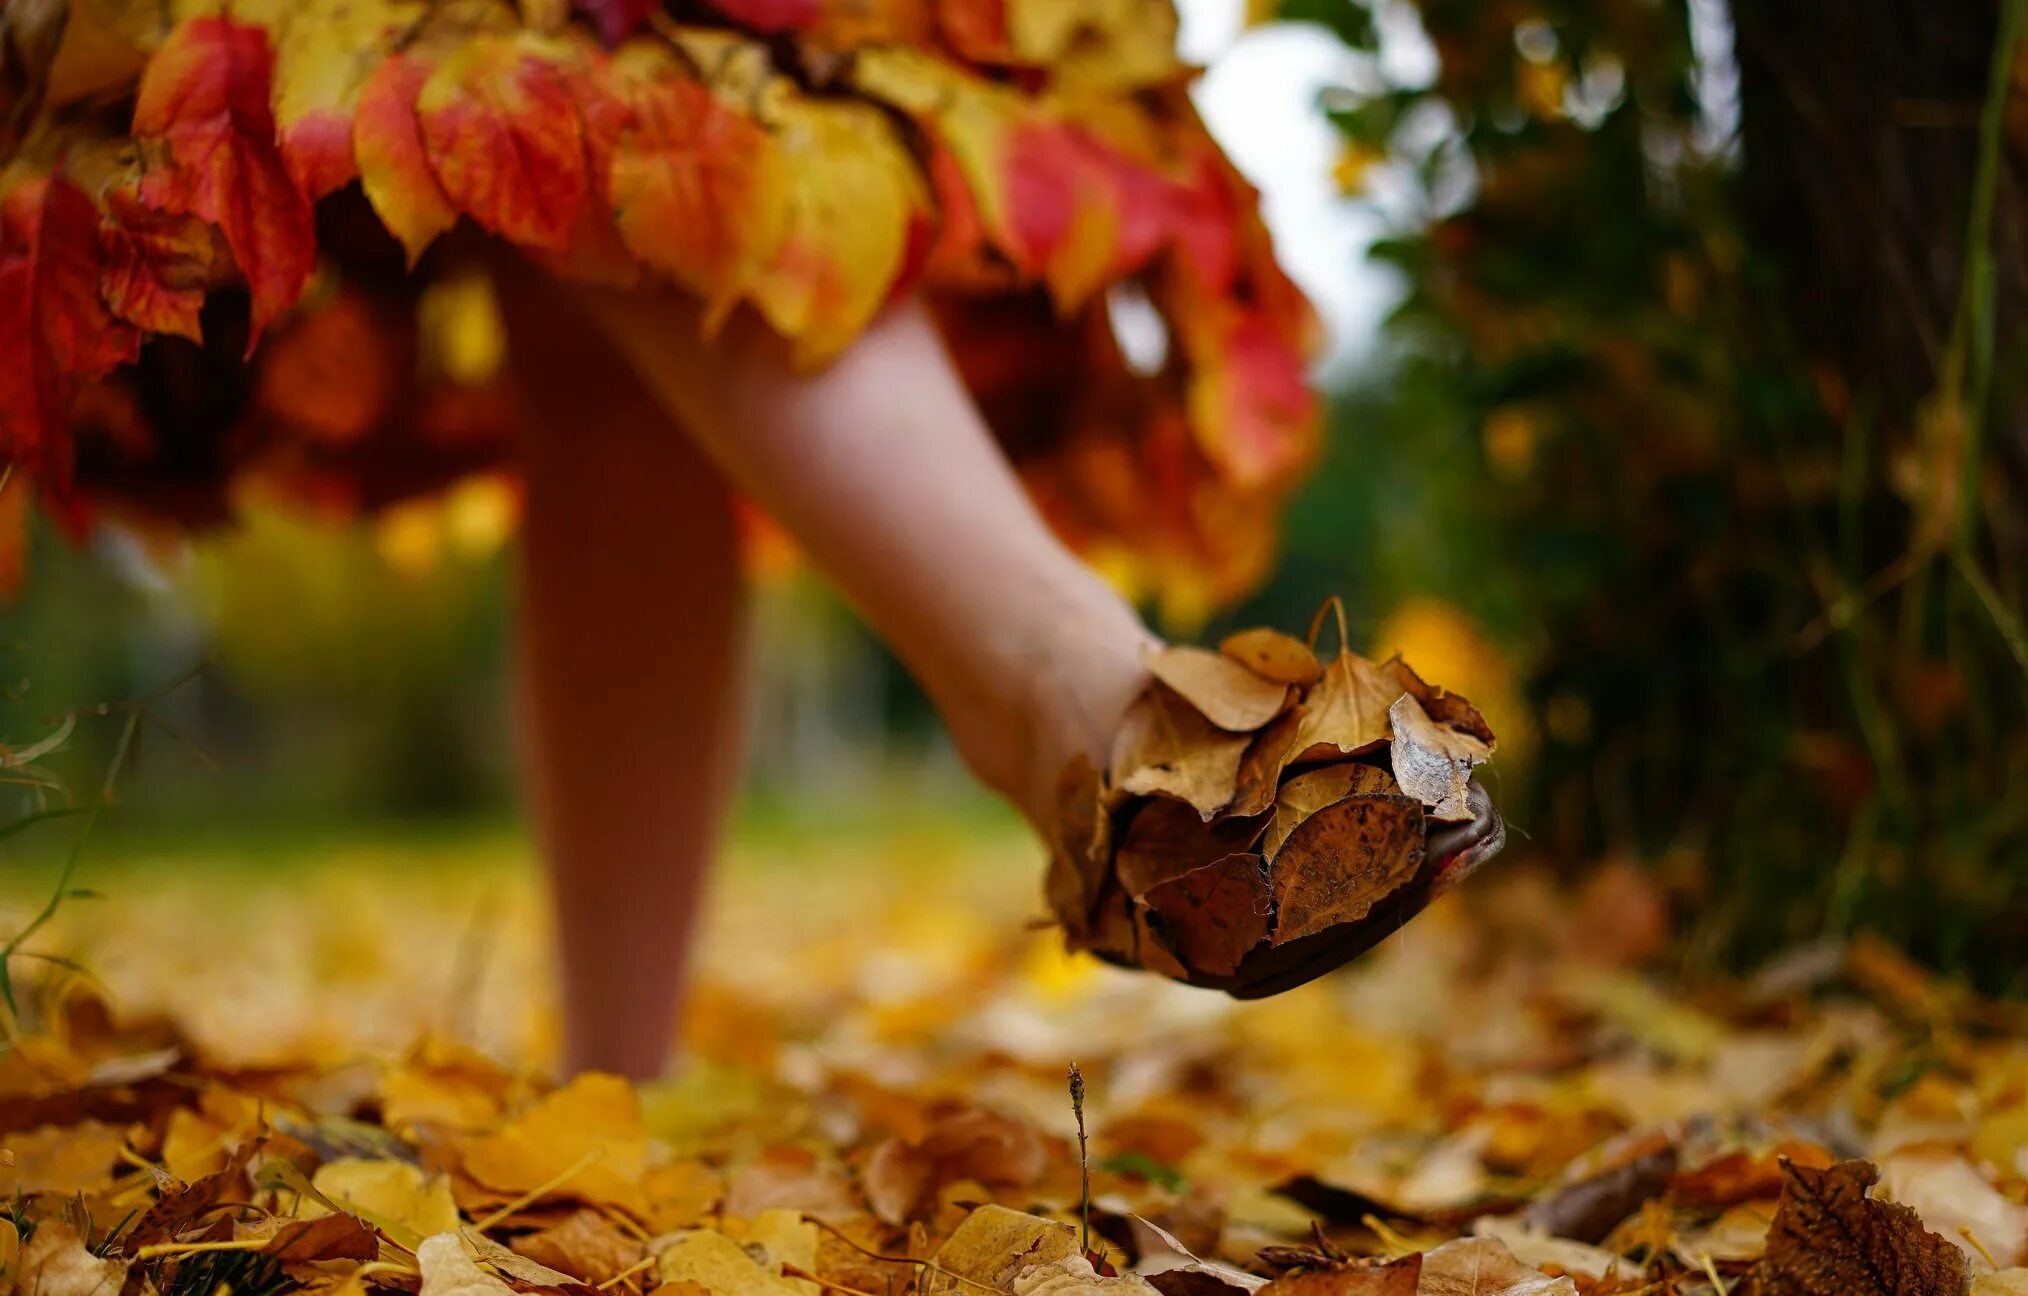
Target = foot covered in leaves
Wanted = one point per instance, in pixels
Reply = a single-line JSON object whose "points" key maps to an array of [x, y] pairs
{"points": [[1266, 817]]}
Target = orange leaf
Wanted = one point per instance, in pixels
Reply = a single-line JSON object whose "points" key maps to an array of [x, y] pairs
{"points": [[504, 137], [393, 167], [203, 107], [324, 55], [697, 189]]}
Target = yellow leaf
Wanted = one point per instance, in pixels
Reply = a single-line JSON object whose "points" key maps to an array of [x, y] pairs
{"points": [[720, 1265], [448, 1270], [393, 1196], [583, 1141], [56, 1263]]}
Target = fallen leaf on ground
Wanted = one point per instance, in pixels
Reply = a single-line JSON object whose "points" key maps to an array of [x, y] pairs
{"points": [[55, 1263], [1830, 1238], [1484, 1267]]}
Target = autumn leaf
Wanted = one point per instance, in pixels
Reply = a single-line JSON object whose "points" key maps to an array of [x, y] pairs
{"points": [[158, 267], [394, 167], [1273, 655], [1830, 1238], [853, 207], [448, 1270], [396, 1197], [992, 1246], [1352, 1278], [55, 1262], [208, 141], [1166, 747], [1343, 860], [331, 1237], [55, 331], [324, 53], [697, 189], [584, 1141], [1214, 914], [1223, 691], [1433, 763], [1309, 792], [1345, 711], [502, 133], [970, 1143], [585, 1245]]}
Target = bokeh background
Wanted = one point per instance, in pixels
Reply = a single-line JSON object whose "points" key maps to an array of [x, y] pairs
{"points": [[1671, 422]]}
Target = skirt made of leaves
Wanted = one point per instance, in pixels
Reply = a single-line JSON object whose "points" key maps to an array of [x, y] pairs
{"points": [[237, 240]]}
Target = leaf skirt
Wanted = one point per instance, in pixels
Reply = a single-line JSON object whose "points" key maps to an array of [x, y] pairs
{"points": [[241, 243]]}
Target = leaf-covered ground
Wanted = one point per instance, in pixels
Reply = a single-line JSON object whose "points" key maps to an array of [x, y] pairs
{"points": [[328, 1080]]}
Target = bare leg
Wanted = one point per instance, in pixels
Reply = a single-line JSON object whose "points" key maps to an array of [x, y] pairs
{"points": [[631, 630], [881, 466]]}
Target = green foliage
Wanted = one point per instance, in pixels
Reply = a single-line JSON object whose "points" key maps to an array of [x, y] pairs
{"points": [[1757, 651]]}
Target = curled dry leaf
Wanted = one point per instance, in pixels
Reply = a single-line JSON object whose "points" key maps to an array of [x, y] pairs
{"points": [[1166, 747], [1345, 713], [1223, 691], [448, 1270], [585, 1245], [1342, 861], [992, 1246], [1307, 793], [1433, 763], [1484, 1267], [1958, 1202], [1171, 1269], [1273, 655], [1830, 1238], [1351, 1278], [1212, 915], [1074, 1276], [902, 1177], [55, 1262]]}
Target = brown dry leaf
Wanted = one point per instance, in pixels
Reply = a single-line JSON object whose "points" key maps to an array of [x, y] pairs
{"points": [[902, 1177], [1273, 655], [1957, 1202], [329, 1237], [1342, 861], [1171, 1269], [448, 1270], [992, 1246], [1352, 1278], [393, 1196], [1483, 1267], [1166, 840], [2008, 1282], [1309, 792], [73, 1159], [1165, 747], [1345, 712], [55, 1262], [585, 1245], [1260, 770], [10, 1246], [1074, 1276], [1079, 848], [790, 1178], [1830, 1239], [1152, 951], [1214, 914], [517, 1270], [1225, 692], [585, 1139], [1433, 763], [718, 1264], [1444, 707]]}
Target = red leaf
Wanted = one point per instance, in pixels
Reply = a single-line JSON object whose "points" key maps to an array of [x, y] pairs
{"points": [[317, 150], [770, 16], [616, 19], [203, 104], [503, 135], [157, 267], [55, 331]]}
